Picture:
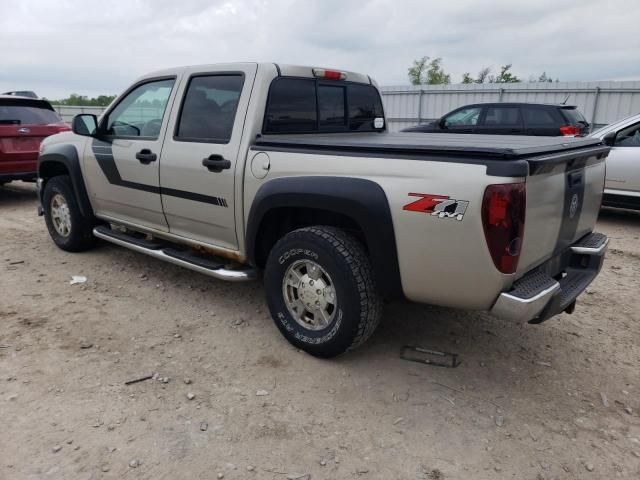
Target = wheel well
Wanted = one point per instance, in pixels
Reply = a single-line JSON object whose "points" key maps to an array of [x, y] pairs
{"points": [[277, 222], [52, 169]]}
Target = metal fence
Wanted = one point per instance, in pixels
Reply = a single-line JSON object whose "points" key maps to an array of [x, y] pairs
{"points": [[67, 112], [600, 102]]}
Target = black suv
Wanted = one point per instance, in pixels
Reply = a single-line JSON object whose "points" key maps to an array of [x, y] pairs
{"points": [[510, 119]]}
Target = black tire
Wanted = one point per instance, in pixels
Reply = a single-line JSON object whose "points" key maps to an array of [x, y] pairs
{"points": [[358, 307], [80, 237]]}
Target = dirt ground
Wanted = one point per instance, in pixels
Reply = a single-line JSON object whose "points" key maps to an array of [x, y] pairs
{"points": [[555, 401]]}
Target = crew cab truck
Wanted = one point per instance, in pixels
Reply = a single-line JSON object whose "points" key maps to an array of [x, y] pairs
{"points": [[240, 169]]}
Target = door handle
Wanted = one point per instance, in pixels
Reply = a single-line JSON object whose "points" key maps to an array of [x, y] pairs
{"points": [[216, 163], [146, 156]]}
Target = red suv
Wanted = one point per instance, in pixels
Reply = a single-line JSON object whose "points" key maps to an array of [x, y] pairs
{"points": [[24, 122]]}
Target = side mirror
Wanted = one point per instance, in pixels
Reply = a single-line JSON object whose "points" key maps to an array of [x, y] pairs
{"points": [[609, 139], [442, 123], [85, 124]]}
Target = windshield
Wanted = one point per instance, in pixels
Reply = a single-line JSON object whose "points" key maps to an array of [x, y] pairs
{"points": [[27, 113]]}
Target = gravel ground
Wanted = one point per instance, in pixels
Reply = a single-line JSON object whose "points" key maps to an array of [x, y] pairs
{"points": [[232, 399]]}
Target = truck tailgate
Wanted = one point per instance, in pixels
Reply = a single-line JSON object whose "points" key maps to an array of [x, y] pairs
{"points": [[564, 193]]}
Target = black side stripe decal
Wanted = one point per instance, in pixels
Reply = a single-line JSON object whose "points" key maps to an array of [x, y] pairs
{"points": [[104, 156]]}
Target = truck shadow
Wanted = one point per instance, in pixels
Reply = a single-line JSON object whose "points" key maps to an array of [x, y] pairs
{"points": [[619, 215], [17, 194]]}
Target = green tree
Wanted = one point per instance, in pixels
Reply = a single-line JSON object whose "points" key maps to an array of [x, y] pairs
{"points": [[467, 78], [416, 71], [436, 74], [83, 101], [505, 75], [544, 78], [426, 71]]}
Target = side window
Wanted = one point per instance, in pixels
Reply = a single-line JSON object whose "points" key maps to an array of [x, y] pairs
{"points": [[140, 113], [364, 107], [499, 116], [629, 137], [209, 108], [292, 106], [464, 117], [331, 103], [538, 117]]}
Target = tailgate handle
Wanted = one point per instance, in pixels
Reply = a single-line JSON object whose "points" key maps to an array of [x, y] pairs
{"points": [[574, 179]]}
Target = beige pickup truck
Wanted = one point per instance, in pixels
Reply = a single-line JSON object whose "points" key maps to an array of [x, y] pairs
{"points": [[244, 169]]}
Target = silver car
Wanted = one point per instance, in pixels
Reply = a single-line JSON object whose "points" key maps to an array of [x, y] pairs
{"points": [[622, 185]]}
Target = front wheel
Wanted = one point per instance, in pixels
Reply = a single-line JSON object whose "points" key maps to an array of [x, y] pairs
{"points": [[321, 291], [67, 227]]}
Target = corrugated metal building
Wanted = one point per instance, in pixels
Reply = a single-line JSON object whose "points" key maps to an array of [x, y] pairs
{"points": [[600, 102]]}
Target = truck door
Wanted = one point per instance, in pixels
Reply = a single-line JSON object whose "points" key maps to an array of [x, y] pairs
{"points": [[201, 153], [122, 167]]}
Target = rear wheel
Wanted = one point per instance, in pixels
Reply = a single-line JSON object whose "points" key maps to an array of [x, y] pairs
{"points": [[67, 227], [321, 291]]}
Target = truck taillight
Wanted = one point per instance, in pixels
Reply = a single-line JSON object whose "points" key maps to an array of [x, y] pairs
{"points": [[503, 212], [329, 74], [570, 130]]}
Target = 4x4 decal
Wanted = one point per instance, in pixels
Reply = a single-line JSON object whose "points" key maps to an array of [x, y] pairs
{"points": [[440, 206]]}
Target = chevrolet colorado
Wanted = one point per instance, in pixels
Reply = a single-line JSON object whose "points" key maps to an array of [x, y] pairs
{"points": [[235, 169]]}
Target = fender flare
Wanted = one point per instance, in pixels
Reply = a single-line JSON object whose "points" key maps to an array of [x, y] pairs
{"points": [[363, 201], [66, 155]]}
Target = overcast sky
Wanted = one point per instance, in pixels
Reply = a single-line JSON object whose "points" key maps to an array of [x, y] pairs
{"points": [[98, 47]]}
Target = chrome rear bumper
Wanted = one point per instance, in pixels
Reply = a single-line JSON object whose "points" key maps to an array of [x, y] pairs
{"points": [[553, 287]]}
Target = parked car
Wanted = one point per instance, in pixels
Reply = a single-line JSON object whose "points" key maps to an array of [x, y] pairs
{"points": [[537, 119], [246, 167], [24, 122], [622, 185], [22, 93]]}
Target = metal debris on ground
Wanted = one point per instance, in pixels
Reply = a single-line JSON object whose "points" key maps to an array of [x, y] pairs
{"points": [[141, 379], [430, 357], [76, 279]]}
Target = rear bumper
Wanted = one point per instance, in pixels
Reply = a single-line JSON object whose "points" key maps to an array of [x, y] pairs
{"points": [[553, 287]]}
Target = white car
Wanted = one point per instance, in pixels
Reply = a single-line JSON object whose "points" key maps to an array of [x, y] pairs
{"points": [[622, 185]]}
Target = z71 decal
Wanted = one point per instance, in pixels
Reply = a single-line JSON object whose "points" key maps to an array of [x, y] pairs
{"points": [[439, 206]]}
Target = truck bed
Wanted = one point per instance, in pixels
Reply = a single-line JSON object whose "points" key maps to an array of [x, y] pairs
{"points": [[525, 154]]}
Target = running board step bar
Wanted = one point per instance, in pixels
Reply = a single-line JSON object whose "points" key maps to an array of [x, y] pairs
{"points": [[139, 241], [211, 268]]}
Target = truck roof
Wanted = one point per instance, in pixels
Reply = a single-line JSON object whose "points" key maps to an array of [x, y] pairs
{"points": [[285, 70]]}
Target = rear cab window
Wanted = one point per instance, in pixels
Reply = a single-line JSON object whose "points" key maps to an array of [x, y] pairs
{"points": [[27, 112], [306, 105]]}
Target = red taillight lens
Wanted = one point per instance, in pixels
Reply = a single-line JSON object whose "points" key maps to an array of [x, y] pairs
{"points": [[503, 211], [570, 130]]}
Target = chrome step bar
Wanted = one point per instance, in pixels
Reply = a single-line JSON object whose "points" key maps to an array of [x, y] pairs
{"points": [[221, 273]]}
